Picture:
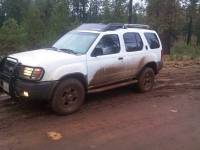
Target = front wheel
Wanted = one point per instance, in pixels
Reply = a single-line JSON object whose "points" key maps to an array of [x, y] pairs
{"points": [[146, 80], [68, 97]]}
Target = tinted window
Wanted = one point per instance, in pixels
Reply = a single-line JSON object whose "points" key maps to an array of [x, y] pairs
{"points": [[133, 42], [152, 39], [109, 44]]}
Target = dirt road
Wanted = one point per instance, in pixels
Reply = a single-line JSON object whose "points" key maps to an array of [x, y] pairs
{"points": [[168, 118]]}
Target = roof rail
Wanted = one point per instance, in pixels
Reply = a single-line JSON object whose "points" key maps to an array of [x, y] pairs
{"points": [[92, 26], [142, 26], [110, 27], [114, 26]]}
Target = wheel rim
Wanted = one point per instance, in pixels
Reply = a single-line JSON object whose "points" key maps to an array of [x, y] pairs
{"points": [[69, 97], [148, 81]]}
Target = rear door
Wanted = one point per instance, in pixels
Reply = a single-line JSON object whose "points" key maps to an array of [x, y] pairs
{"points": [[135, 52]]}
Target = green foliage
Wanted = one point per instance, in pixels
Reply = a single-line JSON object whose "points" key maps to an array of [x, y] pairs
{"points": [[35, 28], [119, 11], [38, 23], [15, 9], [94, 11], [197, 27], [164, 17], [106, 13], [59, 21], [182, 51], [45, 8], [12, 36]]}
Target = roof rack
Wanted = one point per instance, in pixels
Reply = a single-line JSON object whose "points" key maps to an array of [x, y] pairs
{"points": [[92, 26], [114, 26], [110, 27], [141, 26]]}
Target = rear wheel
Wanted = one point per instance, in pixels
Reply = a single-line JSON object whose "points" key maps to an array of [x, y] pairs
{"points": [[68, 97], [146, 80]]}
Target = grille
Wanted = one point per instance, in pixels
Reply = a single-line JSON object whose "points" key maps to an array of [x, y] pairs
{"points": [[8, 67]]}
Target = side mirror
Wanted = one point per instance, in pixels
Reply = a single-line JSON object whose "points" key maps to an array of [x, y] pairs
{"points": [[97, 52]]}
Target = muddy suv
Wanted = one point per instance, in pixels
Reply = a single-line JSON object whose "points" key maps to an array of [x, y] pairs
{"points": [[91, 58]]}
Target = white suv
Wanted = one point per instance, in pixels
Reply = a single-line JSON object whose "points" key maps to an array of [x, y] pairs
{"points": [[91, 58]]}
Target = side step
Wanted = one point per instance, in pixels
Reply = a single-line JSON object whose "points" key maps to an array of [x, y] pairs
{"points": [[112, 86]]}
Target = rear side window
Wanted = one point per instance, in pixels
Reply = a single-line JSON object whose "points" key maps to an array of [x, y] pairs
{"points": [[133, 42], [152, 40]]}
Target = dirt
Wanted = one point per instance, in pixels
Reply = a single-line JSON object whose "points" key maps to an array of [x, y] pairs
{"points": [[165, 118]]}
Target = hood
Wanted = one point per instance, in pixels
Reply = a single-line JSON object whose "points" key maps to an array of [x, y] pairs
{"points": [[41, 57]]}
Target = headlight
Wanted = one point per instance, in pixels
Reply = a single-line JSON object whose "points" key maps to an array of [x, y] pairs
{"points": [[31, 73]]}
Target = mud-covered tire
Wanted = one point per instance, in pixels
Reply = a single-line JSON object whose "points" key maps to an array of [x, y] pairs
{"points": [[146, 80], [68, 97]]}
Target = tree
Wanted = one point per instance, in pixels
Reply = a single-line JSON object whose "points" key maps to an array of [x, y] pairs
{"points": [[59, 21], [83, 8], [106, 11], [79, 9], [12, 36], [138, 13], [15, 9], [197, 27], [130, 11], [119, 11], [45, 7], [2, 12], [34, 27], [192, 9], [94, 11], [163, 17]]}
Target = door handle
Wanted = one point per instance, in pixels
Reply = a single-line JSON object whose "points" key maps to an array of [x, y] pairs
{"points": [[120, 58]]}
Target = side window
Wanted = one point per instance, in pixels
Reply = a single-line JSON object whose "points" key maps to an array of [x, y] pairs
{"points": [[152, 40], [133, 42], [109, 44]]}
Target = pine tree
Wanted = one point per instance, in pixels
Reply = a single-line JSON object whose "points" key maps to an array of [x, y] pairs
{"points": [[34, 27], [59, 20], [15, 9], [2, 12], [45, 7], [106, 11], [119, 11], [192, 9], [130, 12], [12, 36], [94, 11], [162, 16], [197, 27]]}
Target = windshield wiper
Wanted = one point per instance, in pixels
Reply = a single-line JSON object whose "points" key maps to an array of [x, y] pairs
{"points": [[54, 48], [69, 51], [65, 50]]}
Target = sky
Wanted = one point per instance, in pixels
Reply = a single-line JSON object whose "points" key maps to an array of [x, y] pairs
{"points": [[139, 1]]}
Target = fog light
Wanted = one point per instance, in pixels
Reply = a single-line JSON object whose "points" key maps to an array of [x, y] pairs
{"points": [[25, 94]]}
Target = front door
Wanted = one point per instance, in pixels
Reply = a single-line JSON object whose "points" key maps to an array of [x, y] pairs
{"points": [[106, 64]]}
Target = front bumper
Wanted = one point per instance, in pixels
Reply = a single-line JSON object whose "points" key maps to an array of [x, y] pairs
{"points": [[35, 90], [15, 87]]}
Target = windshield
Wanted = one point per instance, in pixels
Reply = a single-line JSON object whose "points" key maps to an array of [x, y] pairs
{"points": [[77, 42]]}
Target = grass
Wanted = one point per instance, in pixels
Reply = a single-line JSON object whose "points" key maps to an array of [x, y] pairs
{"points": [[182, 51]]}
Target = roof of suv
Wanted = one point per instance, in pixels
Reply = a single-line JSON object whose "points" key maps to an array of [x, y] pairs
{"points": [[99, 27]]}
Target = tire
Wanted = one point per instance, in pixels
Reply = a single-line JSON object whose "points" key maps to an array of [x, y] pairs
{"points": [[68, 97], [146, 80]]}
